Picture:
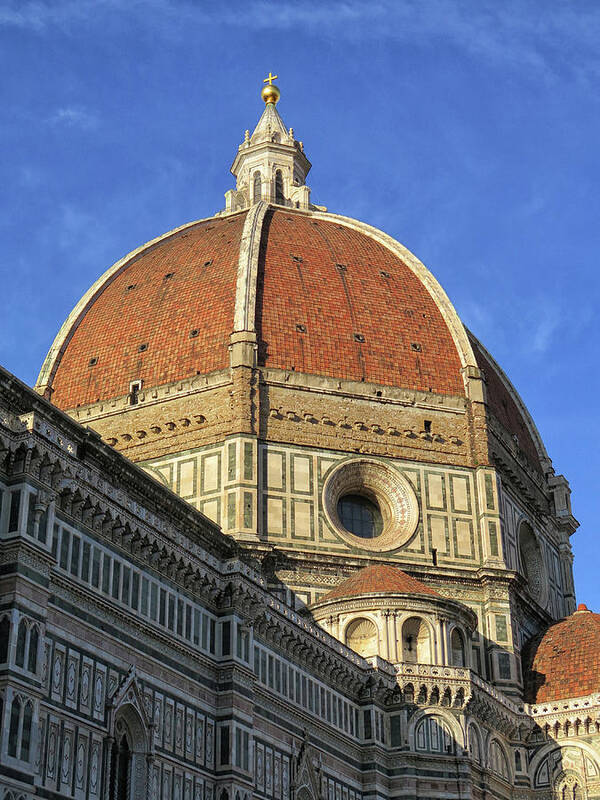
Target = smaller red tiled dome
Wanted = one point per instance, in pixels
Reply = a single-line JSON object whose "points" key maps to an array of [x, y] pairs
{"points": [[565, 660], [376, 579]]}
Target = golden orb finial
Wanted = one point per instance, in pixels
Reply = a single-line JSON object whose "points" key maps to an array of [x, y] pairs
{"points": [[270, 93]]}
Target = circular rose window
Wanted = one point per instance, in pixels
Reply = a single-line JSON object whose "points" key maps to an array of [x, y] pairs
{"points": [[370, 505]]}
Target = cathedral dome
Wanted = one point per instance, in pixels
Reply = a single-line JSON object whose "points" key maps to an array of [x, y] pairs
{"points": [[330, 300], [564, 661], [277, 283]]}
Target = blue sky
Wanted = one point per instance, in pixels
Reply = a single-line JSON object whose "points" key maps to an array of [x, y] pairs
{"points": [[467, 130]]}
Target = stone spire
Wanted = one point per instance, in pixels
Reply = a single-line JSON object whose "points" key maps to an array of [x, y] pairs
{"points": [[270, 164]]}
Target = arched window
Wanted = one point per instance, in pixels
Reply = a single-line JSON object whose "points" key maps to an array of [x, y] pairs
{"points": [[4, 639], [474, 746], [416, 643], [26, 732], [361, 636], [498, 761], [19, 734], [21, 644], [432, 735], [33, 649], [128, 755], [279, 198], [43, 525], [257, 187], [27, 646], [457, 648], [13, 733], [532, 564], [120, 770], [569, 786]]}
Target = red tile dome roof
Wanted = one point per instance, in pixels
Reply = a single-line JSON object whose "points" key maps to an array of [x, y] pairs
{"points": [[139, 324], [564, 661], [332, 299], [375, 579], [342, 284]]}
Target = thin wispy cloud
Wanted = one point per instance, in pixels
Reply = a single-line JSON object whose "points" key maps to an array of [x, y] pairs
{"points": [[541, 38], [544, 328], [73, 117]]}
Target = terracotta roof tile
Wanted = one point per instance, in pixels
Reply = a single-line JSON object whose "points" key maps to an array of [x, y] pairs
{"points": [[378, 578], [142, 306], [331, 301], [565, 660], [338, 282]]}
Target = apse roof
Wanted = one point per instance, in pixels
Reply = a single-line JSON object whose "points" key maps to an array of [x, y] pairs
{"points": [[375, 579]]}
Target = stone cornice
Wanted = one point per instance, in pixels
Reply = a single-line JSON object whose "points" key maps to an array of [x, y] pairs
{"points": [[442, 607], [385, 395], [152, 396]]}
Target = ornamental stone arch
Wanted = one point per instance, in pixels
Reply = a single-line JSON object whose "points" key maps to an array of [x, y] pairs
{"points": [[531, 560], [569, 785], [425, 648], [455, 634], [362, 633], [454, 726], [306, 785], [130, 743], [552, 759], [474, 742], [497, 759]]}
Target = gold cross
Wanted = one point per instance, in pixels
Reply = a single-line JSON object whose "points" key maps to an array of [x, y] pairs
{"points": [[270, 78]]}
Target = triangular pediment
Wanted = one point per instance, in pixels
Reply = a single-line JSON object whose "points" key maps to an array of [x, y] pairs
{"points": [[130, 693], [306, 782]]}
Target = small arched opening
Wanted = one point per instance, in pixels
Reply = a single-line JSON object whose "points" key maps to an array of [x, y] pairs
{"points": [[4, 639], [304, 793], [474, 744], [569, 786], [498, 762], [361, 636], [129, 763], [279, 198], [432, 735], [532, 563], [257, 187], [457, 649], [416, 641]]}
